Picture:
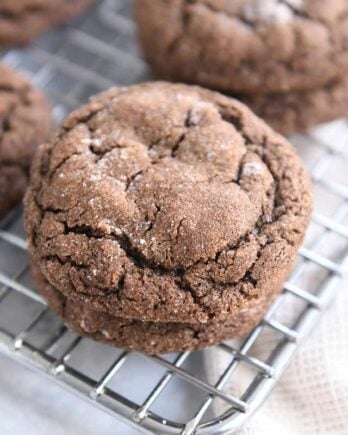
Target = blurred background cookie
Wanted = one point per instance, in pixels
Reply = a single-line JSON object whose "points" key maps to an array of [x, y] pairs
{"points": [[23, 20], [289, 112], [251, 47], [25, 121]]}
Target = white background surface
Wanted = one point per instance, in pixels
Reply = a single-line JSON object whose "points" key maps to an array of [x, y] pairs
{"points": [[312, 397], [30, 404]]}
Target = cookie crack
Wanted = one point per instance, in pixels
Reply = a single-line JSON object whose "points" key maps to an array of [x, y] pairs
{"points": [[177, 145], [123, 240], [138, 260], [61, 164], [67, 259], [134, 256], [132, 178]]}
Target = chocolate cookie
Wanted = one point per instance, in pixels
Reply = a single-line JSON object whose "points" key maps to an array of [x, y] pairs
{"points": [[246, 46], [23, 20], [24, 122], [298, 111], [166, 202], [148, 337]]}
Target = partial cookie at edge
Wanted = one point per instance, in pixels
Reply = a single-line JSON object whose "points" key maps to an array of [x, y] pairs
{"points": [[25, 121]]}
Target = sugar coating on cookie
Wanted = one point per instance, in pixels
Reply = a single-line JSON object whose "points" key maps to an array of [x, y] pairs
{"points": [[166, 202], [271, 10]]}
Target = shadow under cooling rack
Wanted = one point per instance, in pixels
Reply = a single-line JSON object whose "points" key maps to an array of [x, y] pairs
{"points": [[177, 393]]}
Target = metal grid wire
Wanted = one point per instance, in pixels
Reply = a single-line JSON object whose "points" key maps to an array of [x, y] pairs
{"points": [[95, 52]]}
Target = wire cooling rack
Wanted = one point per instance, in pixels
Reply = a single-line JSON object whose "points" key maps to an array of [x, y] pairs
{"points": [[176, 393]]}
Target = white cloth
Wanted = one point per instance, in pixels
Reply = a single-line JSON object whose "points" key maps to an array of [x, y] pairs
{"points": [[311, 398]]}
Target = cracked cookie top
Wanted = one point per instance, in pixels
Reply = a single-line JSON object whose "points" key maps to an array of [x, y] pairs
{"points": [[166, 202], [24, 122], [246, 46], [23, 20]]}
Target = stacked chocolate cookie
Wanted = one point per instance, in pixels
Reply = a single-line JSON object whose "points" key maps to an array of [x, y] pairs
{"points": [[164, 217], [288, 60]]}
